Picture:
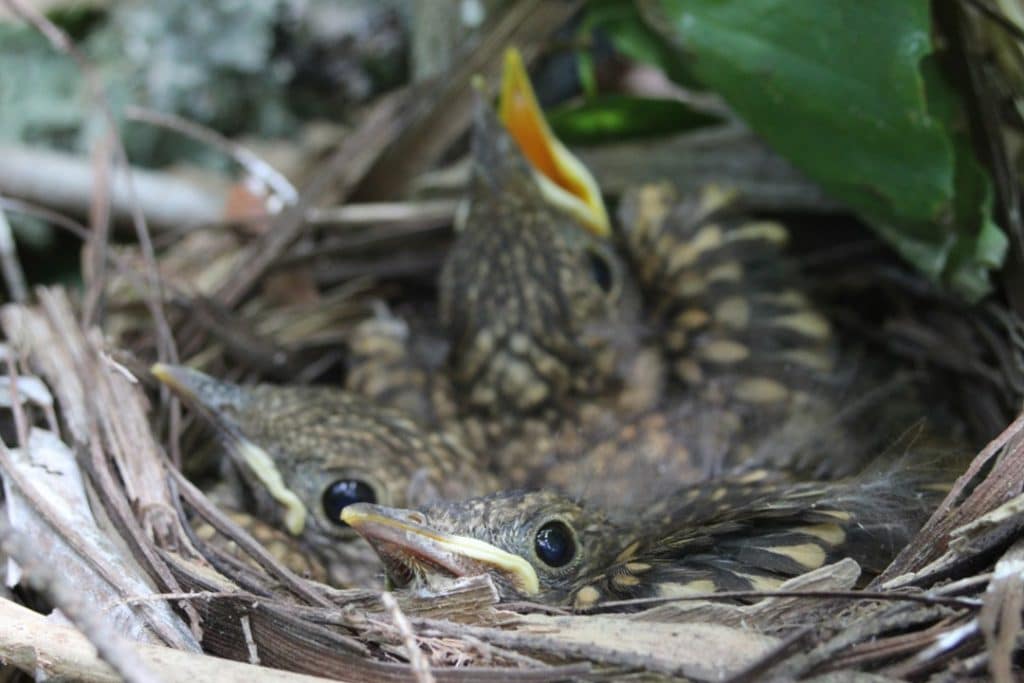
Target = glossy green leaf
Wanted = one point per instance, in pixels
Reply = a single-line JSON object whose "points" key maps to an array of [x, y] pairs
{"points": [[625, 28], [838, 88], [618, 117]]}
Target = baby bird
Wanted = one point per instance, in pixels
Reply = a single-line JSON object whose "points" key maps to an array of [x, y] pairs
{"points": [[559, 333], [740, 534], [306, 453]]}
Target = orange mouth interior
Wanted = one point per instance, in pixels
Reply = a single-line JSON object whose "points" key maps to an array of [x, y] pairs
{"points": [[521, 115]]}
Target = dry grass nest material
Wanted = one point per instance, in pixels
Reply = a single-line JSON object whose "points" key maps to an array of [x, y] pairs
{"points": [[97, 506]]}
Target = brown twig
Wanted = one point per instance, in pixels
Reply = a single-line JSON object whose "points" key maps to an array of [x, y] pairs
{"points": [[199, 595], [962, 505], [341, 174], [757, 670], [14, 278], [939, 650], [246, 158], [65, 182], [430, 212], [34, 644], [63, 43], [60, 220], [246, 542], [114, 649], [966, 603], [1000, 617], [416, 659], [441, 112], [888, 647], [95, 275], [824, 652]]}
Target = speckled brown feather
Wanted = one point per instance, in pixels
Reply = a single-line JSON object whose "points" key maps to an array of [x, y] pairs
{"points": [[564, 380], [733, 314], [747, 533], [386, 368], [315, 436], [548, 365], [735, 536], [528, 323]]}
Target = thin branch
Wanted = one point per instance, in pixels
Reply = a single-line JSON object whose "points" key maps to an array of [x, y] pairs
{"points": [[20, 420], [966, 603], [197, 595], [430, 211], [222, 524], [61, 42], [246, 158], [418, 662], [347, 168], [43, 213], [109, 644], [250, 643], [14, 278], [65, 182], [33, 644], [95, 275]]}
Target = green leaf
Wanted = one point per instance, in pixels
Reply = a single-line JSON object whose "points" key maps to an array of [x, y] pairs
{"points": [[587, 73], [980, 244], [616, 117], [839, 88], [624, 26]]}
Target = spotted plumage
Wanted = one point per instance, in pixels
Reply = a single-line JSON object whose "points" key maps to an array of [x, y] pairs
{"points": [[731, 308], [600, 359], [535, 307], [741, 534], [688, 326], [276, 541], [305, 452]]}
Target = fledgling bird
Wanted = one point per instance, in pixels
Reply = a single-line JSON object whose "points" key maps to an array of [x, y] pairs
{"points": [[305, 453], [562, 332], [742, 534]]}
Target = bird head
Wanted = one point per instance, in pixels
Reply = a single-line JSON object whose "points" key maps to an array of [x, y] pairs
{"points": [[747, 532], [535, 546], [536, 302], [306, 453]]}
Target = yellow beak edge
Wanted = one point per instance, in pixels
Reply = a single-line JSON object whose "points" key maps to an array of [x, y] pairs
{"points": [[563, 179]]}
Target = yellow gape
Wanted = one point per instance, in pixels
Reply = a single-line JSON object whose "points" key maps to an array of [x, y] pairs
{"points": [[563, 179]]}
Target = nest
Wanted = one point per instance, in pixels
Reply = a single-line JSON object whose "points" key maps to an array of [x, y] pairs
{"points": [[98, 508]]}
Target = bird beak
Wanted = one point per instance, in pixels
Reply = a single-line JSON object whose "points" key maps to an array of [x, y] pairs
{"points": [[409, 546], [210, 397], [564, 180], [190, 385]]}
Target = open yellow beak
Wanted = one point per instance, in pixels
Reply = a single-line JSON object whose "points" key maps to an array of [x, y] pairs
{"points": [[401, 536], [563, 179]]}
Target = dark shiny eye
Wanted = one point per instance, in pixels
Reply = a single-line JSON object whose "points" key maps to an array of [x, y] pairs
{"points": [[600, 270], [343, 493], [555, 544]]}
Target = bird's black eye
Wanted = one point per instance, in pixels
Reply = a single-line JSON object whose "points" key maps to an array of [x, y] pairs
{"points": [[343, 493], [600, 270], [555, 544]]}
